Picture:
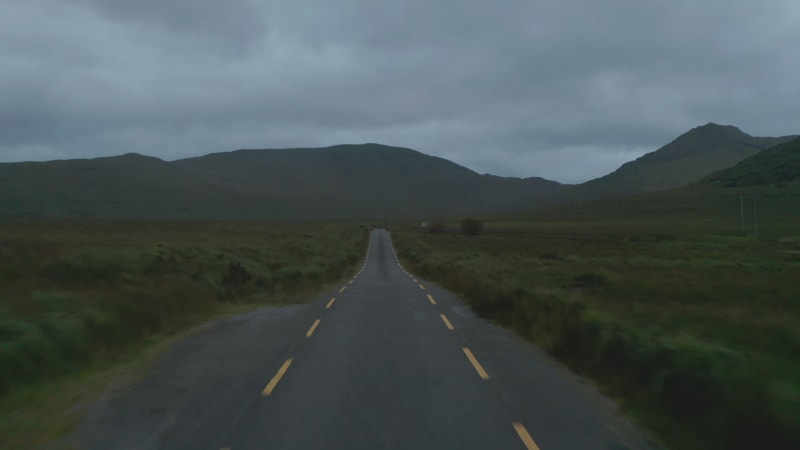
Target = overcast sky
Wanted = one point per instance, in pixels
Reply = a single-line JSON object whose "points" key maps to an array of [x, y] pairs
{"points": [[563, 89]]}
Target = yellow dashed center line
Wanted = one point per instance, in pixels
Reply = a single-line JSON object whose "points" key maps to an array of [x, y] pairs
{"points": [[430, 297], [422, 287], [447, 322], [313, 327], [342, 289], [478, 367], [330, 303], [274, 381], [525, 436]]}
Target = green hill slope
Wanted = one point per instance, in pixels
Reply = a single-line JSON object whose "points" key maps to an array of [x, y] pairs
{"points": [[763, 188], [347, 181], [131, 185], [368, 180], [779, 165], [692, 156], [337, 182]]}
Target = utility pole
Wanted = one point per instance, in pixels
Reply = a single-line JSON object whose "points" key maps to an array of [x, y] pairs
{"points": [[741, 209], [755, 216]]}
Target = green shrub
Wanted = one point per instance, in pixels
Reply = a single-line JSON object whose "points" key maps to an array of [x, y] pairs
{"points": [[67, 333], [471, 226], [693, 380], [437, 227], [85, 268], [589, 279], [236, 280], [289, 274], [24, 350]]}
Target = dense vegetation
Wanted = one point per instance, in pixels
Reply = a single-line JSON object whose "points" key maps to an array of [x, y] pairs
{"points": [[75, 292], [778, 166], [694, 326]]}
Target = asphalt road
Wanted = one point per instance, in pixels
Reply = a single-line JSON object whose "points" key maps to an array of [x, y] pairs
{"points": [[388, 361]]}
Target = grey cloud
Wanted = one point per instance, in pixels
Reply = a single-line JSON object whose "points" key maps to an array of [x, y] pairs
{"points": [[561, 89], [232, 25]]}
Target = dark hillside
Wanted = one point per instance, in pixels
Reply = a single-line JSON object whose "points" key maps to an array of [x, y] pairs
{"points": [[778, 165], [368, 179], [130, 185], [349, 181], [345, 181], [692, 156]]}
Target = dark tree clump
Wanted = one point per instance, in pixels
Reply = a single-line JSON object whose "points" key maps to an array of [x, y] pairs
{"points": [[437, 227], [471, 226]]}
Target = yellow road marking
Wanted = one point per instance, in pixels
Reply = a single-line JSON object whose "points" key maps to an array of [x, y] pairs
{"points": [[430, 297], [478, 367], [330, 303], [422, 287], [342, 289], [447, 322], [274, 381], [415, 280], [313, 327], [351, 281], [525, 436]]}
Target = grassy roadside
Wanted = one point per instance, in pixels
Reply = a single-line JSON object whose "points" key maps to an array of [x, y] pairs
{"points": [[697, 334], [81, 301]]}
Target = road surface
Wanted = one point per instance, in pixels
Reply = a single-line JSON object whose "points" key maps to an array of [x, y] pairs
{"points": [[387, 361]]}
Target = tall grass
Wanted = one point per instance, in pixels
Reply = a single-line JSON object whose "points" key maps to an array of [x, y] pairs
{"points": [[74, 291], [698, 335]]}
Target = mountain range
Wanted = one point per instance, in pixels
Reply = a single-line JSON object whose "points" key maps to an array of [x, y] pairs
{"points": [[343, 181], [690, 157]]}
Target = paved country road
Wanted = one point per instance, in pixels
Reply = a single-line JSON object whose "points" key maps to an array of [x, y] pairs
{"points": [[388, 361]]}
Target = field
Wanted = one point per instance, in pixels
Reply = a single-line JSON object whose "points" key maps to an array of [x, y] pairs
{"points": [[691, 324], [78, 297]]}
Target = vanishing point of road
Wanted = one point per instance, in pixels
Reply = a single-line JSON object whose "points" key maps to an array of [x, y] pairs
{"points": [[387, 361]]}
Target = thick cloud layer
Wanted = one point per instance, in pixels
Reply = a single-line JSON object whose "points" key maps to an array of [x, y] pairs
{"points": [[564, 89]]}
